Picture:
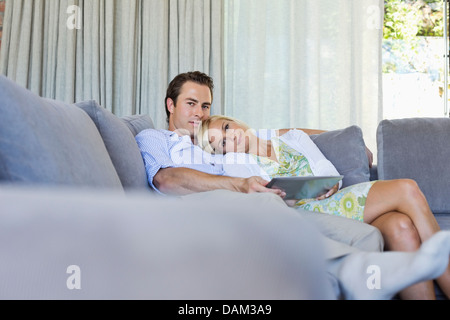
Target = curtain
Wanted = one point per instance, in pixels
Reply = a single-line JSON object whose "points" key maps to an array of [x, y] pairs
{"points": [[120, 53], [304, 63], [276, 64]]}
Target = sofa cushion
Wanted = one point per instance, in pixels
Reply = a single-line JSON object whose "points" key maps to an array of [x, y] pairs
{"points": [[443, 220], [44, 141], [145, 247], [121, 145], [346, 149], [418, 149], [138, 123]]}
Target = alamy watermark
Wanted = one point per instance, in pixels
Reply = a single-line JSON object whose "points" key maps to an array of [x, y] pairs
{"points": [[374, 17], [74, 280], [75, 18], [374, 280]]}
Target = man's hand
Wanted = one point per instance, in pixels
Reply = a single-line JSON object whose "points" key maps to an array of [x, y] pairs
{"points": [[258, 184], [369, 157]]}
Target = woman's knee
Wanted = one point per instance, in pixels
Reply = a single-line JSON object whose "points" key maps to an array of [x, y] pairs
{"points": [[410, 193], [400, 233], [409, 188], [403, 225]]}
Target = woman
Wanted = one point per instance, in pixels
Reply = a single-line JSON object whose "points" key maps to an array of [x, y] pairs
{"points": [[295, 154]]}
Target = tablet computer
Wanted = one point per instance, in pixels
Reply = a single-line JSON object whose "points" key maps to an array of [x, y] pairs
{"points": [[297, 188]]}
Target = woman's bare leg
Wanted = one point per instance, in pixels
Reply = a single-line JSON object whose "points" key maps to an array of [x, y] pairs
{"points": [[400, 234], [405, 197]]}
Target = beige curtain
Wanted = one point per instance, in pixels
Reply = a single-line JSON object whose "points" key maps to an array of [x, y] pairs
{"points": [[304, 63], [123, 53]]}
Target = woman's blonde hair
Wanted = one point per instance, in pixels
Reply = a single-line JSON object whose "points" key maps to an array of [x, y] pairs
{"points": [[203, 135]]}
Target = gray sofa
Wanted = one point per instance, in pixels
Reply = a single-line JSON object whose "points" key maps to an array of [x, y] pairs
{"points": [[78, 220], [418, 149]]}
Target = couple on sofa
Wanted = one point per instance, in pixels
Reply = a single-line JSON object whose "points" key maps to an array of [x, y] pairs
{"points": [[178, 161]]}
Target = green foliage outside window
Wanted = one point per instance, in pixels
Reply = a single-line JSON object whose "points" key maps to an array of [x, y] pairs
{"points": [[406, 19], [408, 27]]}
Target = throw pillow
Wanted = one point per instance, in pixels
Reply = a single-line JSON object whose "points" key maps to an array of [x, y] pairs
{"points": [[138, 123], [346, 149], [121, 145], [47, 142]]}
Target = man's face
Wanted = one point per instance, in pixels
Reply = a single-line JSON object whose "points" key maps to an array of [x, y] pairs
{"points": [[193, 106]]}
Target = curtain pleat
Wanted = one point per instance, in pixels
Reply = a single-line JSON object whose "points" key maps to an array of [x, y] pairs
{"points": [[124, 55]]}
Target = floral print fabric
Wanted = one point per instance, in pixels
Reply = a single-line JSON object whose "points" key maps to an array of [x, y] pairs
{"points": [[348, 202]]}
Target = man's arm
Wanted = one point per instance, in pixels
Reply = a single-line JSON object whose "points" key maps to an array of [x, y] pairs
{"points": [[307, 131], [184, 181]]}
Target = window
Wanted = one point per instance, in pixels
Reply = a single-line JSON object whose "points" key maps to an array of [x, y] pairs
{"points": [[414, 59]]}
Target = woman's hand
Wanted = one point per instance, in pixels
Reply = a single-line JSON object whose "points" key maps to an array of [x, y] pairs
{"points": [[329, 193], [290, 203], [369, 157]]}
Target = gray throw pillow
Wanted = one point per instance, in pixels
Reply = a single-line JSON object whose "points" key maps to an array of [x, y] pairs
{"points": [[47, 142], [138, 123], [121, 145], [418, 149], [346, 149]]}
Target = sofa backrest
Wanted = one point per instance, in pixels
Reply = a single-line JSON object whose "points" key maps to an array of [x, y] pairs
{"points": [[48, 142], [418, 149]]}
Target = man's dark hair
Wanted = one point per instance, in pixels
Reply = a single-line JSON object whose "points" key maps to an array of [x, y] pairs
{"points": [[174, 89]]}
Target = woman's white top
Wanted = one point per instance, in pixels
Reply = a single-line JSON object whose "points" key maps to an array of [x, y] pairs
{"points": [[245, 165]]}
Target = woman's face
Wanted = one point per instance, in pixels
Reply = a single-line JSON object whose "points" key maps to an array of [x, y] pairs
{"points": [[228, 136]]}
